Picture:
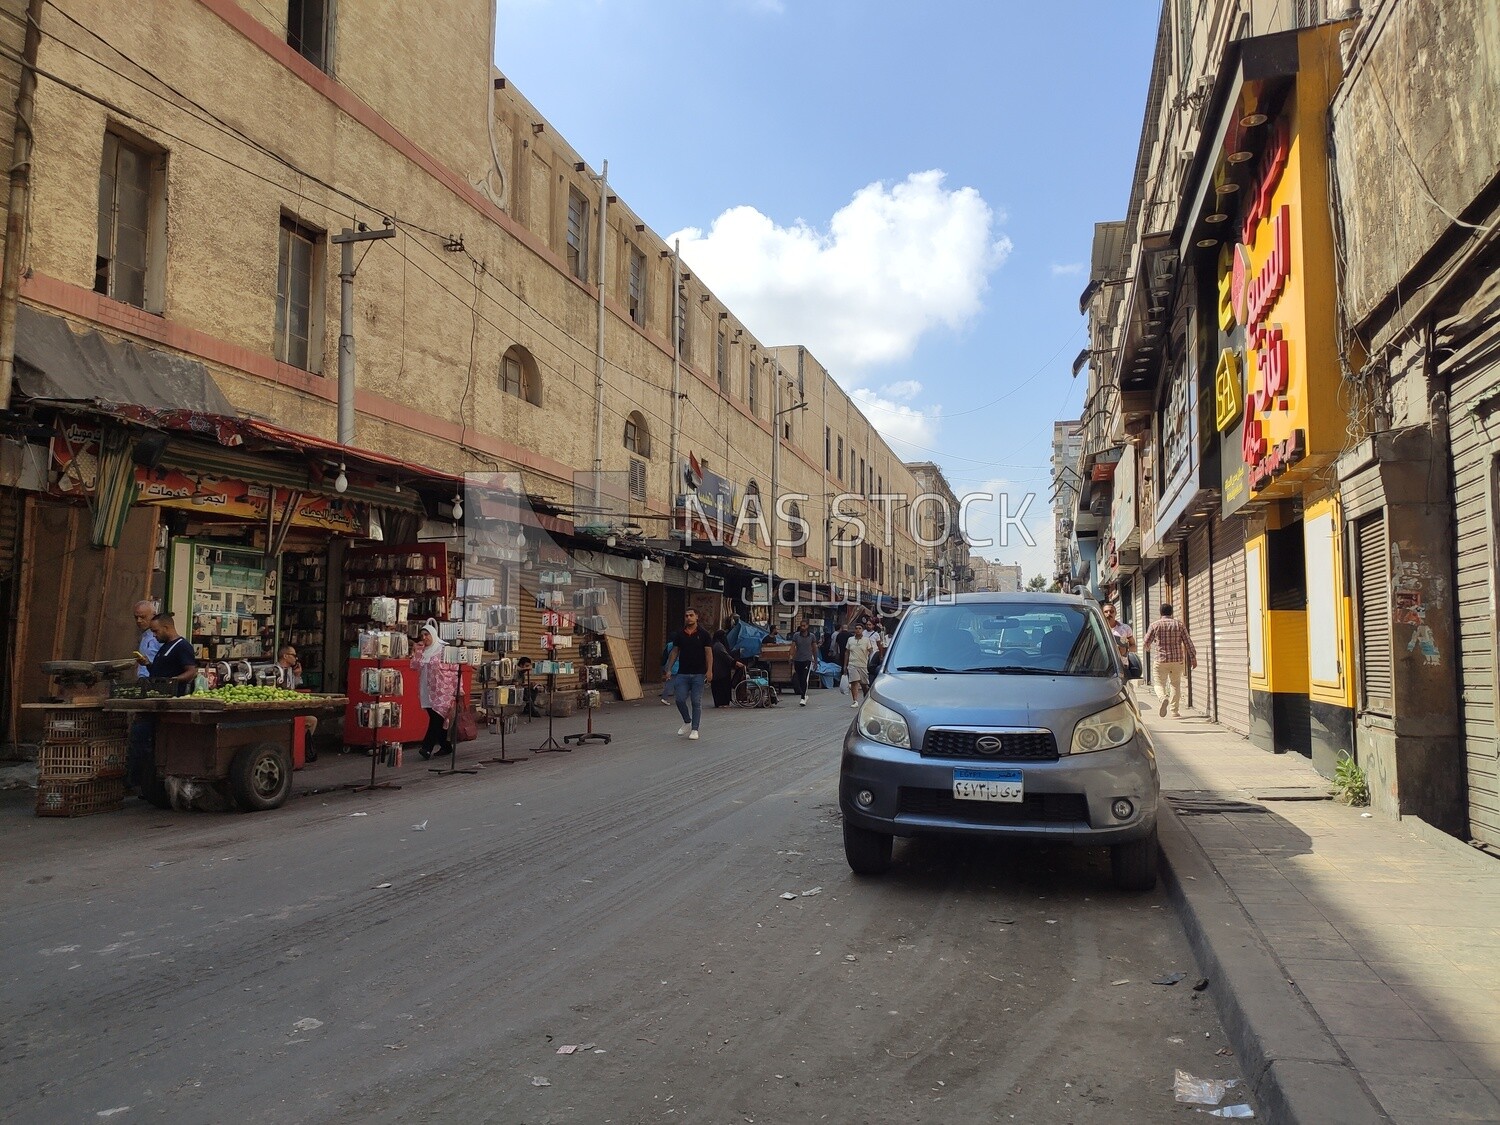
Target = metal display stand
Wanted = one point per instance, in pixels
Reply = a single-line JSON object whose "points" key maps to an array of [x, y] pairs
{"points": [[551, 745], [590, 734], [375, 746]]}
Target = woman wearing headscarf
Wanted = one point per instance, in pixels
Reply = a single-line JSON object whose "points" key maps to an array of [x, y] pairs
{"points": [[437, 689], [725, 669]]}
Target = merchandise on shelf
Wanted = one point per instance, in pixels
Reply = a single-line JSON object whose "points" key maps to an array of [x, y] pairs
{"points": [[304, 597], [232, 599]]}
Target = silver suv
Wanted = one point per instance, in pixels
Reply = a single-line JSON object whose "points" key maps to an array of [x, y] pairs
{"points": [[1002, 715]]}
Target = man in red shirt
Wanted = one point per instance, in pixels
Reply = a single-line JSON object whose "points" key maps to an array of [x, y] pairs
{"points": [[1174, 648]]}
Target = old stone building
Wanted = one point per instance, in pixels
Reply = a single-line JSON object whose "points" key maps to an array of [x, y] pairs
{"points": [[1418, 162], [187, 225]]}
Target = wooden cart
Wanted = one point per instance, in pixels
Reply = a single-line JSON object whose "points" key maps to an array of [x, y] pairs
{"points": [[247, 751]]}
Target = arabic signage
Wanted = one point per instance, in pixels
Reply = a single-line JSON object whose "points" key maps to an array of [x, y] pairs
{"points": [[707, 505], [75, 455], [1275, 385]]}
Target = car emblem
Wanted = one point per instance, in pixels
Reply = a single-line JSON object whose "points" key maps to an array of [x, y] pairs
{"points": [[989, 744]]}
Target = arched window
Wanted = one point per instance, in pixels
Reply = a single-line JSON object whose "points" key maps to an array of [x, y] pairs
{"points": [[637, 435], [797, 531], [519, 375], [752, 510]]}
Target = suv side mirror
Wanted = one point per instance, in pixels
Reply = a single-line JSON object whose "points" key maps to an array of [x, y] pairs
{"points": [[1132, 666]]}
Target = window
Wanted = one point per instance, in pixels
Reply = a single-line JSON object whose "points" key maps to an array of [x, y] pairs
{"points": [[578, 235], [721, 363], [637, 435], [299, 296], [682, 325], [752, 510], [798, 530], [827, 449], [841, 459], [637, 479], [308, 28], [130, 257], [752, 377], [864, 484], [519, 376], [637, 286]]}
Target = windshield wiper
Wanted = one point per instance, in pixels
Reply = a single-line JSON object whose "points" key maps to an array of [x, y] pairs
{"points": [[1015, 670], [922, 668]]}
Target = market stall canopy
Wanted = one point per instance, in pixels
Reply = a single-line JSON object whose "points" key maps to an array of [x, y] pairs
{"points": [[55, 364]]}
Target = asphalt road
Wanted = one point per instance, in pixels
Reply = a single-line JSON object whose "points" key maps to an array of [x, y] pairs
{"points": [[330, 962]]}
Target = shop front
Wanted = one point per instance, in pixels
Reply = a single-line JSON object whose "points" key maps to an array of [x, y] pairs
{"points": [[1262, 220]]}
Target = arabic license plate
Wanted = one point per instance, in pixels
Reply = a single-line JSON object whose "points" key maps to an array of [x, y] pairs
{"points": [[987, 785]]}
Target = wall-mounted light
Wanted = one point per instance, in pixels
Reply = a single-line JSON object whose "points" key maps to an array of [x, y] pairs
{"points": [[458, 507], [1216, 217], [1240, 156], [1251, 120], [1228, 187], [1205, 243], [609, 541], [341, 482]]}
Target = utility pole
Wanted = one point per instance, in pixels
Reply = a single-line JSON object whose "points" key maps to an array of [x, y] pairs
{"points": [[672, 472], [776, 413], [604, 198], [345, 240], [20, 201]]}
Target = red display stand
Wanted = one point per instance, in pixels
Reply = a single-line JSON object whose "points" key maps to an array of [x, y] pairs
{"points": [[413, 726]]}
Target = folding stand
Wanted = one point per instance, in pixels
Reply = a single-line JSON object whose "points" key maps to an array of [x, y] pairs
{"points": [[458, 701], [551, 745], [588, 735], [502, 760], [375, 746]]}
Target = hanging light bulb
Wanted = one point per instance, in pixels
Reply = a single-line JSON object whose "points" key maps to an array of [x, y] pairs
{"points": [[341, 482], [458, 507]]}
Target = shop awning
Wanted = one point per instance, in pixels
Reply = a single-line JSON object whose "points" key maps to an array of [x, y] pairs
{"points": [[55, 364]]}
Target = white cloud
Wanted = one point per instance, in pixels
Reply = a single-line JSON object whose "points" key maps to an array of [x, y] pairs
{"points": [[910, 431], [904, 391], [894, 264], [1066, 270]]}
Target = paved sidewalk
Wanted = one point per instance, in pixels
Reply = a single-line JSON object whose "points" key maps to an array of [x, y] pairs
{"points": [[1355, 960]]}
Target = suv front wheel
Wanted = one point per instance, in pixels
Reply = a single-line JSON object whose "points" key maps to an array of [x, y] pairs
{"points": [[868, 853]]}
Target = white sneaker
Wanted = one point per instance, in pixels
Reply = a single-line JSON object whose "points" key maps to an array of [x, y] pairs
{"points": [[804, 701], [693, 736], [854, 704], [682, 730], [666, 703]]}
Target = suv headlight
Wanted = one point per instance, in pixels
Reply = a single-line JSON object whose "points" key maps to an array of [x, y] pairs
{"points": [[883, 725], [1112, 727]]}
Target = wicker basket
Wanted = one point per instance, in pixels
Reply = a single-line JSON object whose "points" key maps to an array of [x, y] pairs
{"points": [[75, 724], [64, 797], [80, 761]]}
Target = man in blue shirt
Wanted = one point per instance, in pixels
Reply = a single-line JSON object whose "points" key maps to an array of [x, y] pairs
{"points": [[148, 645]]}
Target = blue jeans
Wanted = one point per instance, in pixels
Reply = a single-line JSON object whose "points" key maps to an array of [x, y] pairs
{"points": [[689, 685]]}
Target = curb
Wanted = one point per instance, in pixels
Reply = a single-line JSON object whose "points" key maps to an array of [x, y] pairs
{"points": [[1290, 1062]]}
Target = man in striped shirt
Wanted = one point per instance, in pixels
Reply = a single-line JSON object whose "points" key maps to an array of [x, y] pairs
{"points": [[1173, 648]]}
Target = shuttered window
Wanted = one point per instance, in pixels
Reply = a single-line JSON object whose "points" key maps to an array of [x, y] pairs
{"points": [[637, 479], [1374, 613]]}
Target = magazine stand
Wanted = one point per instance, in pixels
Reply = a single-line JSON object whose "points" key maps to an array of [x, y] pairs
{"points": [[376, 748], [551, 745]]}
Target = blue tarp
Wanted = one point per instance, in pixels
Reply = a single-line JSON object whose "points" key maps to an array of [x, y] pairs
{"points": [[745, 639]]}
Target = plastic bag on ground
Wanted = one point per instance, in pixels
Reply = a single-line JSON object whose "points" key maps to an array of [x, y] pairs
{"points": [[1200, 1091]]}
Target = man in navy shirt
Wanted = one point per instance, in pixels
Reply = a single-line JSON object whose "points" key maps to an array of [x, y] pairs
{"points": [[175, 660], [695, 663]]}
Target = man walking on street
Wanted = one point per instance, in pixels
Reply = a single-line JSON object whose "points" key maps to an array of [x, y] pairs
{"points": [[803, 651], [1173, 648], [1123, 634], [857, 653], [695, 663]]}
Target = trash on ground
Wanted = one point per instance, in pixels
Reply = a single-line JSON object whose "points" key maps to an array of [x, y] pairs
{"points": [[159, 864], [1201, 985], [1175, 1039], [1240, 1110], [1200, 1091], [813, 891], [395, 1046], [359, 814], [112, 1112], [1366, 815], [850, 957], [1117, 983], [419, 827], [1170, 978], [308, 1024], [789, 895], [383, 886], [568, 1049], [538, 1080], [1003, 921], [1224, 1053]]}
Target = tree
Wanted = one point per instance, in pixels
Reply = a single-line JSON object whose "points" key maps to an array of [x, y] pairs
{"points": [[1037, 583]]}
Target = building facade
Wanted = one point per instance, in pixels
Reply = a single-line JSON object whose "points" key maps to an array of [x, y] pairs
{"points": [[510, 315]]}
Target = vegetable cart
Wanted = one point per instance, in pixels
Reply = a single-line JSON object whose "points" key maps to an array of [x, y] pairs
{"points": [[247, 750]]}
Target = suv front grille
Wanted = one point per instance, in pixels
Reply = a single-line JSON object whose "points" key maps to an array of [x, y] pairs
{"points": [[1014, 746], [1034, 808]]}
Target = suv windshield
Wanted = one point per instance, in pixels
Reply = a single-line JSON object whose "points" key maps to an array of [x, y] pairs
{"points": [[1015, 637]]}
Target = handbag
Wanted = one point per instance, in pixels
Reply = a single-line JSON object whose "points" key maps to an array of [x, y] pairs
{"points": [[466, 726]]}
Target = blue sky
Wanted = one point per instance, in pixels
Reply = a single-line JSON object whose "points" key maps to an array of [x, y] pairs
{"points": [[909, 189]]}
